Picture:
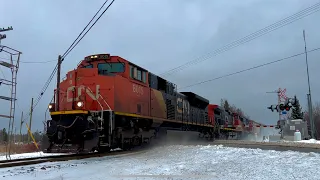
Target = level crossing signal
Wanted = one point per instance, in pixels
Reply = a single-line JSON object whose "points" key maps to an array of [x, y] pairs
{"points": [[280, 107]]}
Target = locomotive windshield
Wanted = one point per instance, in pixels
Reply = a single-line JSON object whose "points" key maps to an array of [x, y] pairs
{"points": [[88, 66], [104, 68]]}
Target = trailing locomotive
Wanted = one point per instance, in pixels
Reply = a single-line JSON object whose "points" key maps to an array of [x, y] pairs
{"points": [[109, 102]]}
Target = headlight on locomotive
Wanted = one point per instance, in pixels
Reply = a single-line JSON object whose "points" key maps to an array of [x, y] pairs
{"points": [[51, 107], [80, 104]]}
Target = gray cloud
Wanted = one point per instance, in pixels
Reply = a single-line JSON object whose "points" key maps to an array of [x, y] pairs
{"points": [[161, 35]]}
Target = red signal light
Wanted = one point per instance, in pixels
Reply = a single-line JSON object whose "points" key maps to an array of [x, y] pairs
{"points": [[288, 108]]}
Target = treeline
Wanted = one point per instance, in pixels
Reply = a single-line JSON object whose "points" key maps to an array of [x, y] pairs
{"points": [[296, 110], [233, 108], [316, 118], [17, 138]]}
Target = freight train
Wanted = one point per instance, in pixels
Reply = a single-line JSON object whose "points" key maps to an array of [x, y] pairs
{"points": [[109, 102]]}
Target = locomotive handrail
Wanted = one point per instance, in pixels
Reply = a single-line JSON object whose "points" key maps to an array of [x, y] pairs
{"points": [[100, 106], [110, 115], [105, 102], [97, 101]]}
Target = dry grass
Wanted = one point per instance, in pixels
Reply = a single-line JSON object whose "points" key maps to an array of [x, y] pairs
{"points": [[19, 148]]}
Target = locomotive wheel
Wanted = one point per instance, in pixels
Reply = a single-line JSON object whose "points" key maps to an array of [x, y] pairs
{"points": [[136, 140], [146, 140], [95, 149], [127, 144], [49, 148]]}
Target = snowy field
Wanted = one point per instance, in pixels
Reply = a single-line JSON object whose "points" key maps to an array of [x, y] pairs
{"points": [[179, 162]]}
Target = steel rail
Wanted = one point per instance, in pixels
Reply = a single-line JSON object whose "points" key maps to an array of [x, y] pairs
{"points": [[57, 158]]}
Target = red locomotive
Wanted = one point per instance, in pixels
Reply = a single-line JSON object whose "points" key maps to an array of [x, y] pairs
{"points": [[109, 102]]}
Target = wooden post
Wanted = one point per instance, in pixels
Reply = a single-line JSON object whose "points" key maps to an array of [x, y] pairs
{"points": [[21, 122], [58, 83], [30, 121]]}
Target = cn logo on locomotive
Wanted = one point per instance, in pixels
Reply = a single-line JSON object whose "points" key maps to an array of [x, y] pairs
{"points": [[182, 106], [137, 89], [79, 90]]}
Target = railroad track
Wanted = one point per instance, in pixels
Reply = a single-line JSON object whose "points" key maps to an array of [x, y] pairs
{"points": [[57, 158]]}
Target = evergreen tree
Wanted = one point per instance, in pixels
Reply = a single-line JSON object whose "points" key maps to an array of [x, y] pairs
{"points": [[4, 135], [296, 110], [226, 105]]}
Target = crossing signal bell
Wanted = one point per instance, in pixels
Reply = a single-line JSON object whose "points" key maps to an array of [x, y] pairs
{"points": [[3, 36]]}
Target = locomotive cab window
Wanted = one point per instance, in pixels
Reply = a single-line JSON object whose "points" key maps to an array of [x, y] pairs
{"points": [[105, 68], [88, 66], [138, 74]]}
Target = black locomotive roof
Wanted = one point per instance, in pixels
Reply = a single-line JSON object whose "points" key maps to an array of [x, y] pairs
{"points": [[195, 96]]}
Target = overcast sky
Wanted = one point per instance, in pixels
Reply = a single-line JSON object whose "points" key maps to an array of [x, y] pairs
{"points": [[161, 35]]}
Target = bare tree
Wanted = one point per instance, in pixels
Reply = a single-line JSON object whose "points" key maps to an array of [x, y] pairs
{"points": [[222, 102], [316, 118]]}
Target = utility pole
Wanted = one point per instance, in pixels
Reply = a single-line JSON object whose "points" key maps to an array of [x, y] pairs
{"points": [[312, 125], [21, 122], [30, 121], [58, 82]]}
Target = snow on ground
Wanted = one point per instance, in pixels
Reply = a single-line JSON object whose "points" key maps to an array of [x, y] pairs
{"points": [[310, 141], [29, 155], [36, 154], [179, 162]]}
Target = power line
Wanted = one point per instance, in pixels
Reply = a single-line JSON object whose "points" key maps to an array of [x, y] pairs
{"points": [[69, 50], [45, 87], [30, 62], [66, 53], [37, 62], [299, 15], [249, 69]]}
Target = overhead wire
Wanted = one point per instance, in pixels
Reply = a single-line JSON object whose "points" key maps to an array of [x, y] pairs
{"points": [[36, 62], [279, 24], [65, 54], [73, 45], [251, 68], [29, 62]]}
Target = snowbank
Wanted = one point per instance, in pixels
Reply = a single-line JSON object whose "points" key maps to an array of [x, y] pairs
{"points": [[30, 155], [179, 162]]}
